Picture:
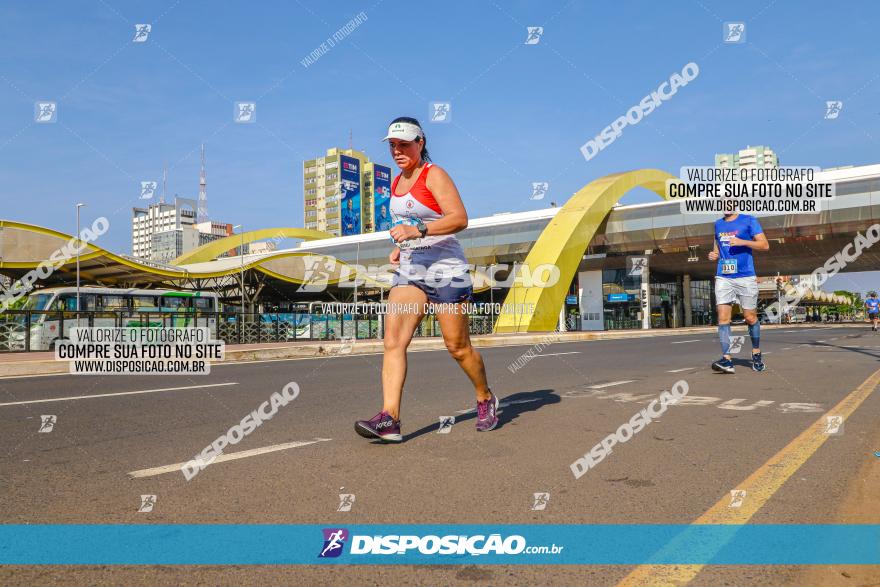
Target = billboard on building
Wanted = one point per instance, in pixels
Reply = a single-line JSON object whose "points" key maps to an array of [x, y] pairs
{"points": [[350, 195], [381, 197]]}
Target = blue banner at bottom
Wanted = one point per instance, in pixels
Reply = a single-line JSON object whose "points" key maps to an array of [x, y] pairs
{"points": [[271, 544]]}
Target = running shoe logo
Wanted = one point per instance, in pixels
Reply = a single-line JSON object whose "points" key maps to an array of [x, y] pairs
{"points": [[334, 541], [383, 424]]}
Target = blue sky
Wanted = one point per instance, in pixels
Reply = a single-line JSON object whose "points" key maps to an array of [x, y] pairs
{"points": [[519, 112]]}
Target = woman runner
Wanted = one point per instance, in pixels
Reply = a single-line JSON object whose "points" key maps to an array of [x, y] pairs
{"points": [[426, 212]]}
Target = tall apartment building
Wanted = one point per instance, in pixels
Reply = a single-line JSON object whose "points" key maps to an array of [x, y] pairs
{"points": [[158, 218], [163, 232], [338, 191], [758, 157]]}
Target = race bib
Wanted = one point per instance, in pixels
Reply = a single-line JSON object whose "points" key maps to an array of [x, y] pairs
{"points": [[728, 266], [410, 243]]}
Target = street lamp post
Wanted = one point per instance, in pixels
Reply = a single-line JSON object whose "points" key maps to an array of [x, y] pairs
{"points": [[78, 249], [241, 256]]}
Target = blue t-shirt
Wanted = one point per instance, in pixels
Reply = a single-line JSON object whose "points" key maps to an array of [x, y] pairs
{"points": [[873, 305], [736, 262]]}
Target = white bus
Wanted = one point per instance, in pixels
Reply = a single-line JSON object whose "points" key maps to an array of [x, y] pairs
{"points": [[111, 307]]}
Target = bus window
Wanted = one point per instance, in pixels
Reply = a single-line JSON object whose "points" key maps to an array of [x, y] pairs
{"points": [[112, 303], [38, 302], [204, 304], [174, 303], [144, 303], [67, 302]]}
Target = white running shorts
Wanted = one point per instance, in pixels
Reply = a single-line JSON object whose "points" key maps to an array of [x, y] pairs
{"points": [[742, 290]]}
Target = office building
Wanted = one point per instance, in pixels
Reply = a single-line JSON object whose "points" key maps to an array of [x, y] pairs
{"points": [[759, 157], [338, 191]]}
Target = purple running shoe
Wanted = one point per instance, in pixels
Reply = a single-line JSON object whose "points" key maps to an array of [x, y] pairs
{"points": [[381, 426], [487, 414]]}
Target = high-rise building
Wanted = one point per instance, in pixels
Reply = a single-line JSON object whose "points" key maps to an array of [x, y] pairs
{"points": [[156, 218], [163, 232], [338, 191], [167, 245], [758, 157], [211, 231]]}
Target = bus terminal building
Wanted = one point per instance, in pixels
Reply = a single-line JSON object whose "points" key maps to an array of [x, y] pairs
{"points": [[634, 266]]}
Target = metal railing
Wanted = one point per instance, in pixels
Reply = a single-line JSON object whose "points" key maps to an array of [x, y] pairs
{"points": [[30, 330]]}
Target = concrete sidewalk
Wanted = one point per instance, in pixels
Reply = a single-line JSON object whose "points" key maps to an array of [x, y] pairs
{"points": [[44, 363]]}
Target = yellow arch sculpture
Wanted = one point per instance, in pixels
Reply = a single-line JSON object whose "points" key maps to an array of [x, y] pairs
{"points": [[562, 244], [211, 250]]}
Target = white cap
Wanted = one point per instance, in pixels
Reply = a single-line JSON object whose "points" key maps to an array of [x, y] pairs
{"points": [[405, 131]]}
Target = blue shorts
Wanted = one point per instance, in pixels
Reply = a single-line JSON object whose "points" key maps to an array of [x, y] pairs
{"points": [[460, 290]]}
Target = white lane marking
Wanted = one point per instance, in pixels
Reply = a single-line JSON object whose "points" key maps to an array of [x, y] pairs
{"points": [[684, 341], [680, 370], [501, 405], [75, 397], [613, 383], [227, 457], [554, 354], [788, 348]]}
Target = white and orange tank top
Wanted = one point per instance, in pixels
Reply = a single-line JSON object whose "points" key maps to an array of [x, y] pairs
{"points": [[441, 251]]}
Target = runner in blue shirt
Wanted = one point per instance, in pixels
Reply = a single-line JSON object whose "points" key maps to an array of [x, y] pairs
{"points": [[873, 306], [736, 236]]}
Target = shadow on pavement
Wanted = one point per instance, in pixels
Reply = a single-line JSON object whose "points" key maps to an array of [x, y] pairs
{"points": [[512, 406]]}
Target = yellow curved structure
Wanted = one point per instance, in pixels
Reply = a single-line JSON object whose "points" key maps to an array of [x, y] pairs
{"points": [[529, 307], [213, 249]]}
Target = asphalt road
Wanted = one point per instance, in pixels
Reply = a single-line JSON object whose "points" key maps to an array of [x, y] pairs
{"points": [[558, 406]]}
